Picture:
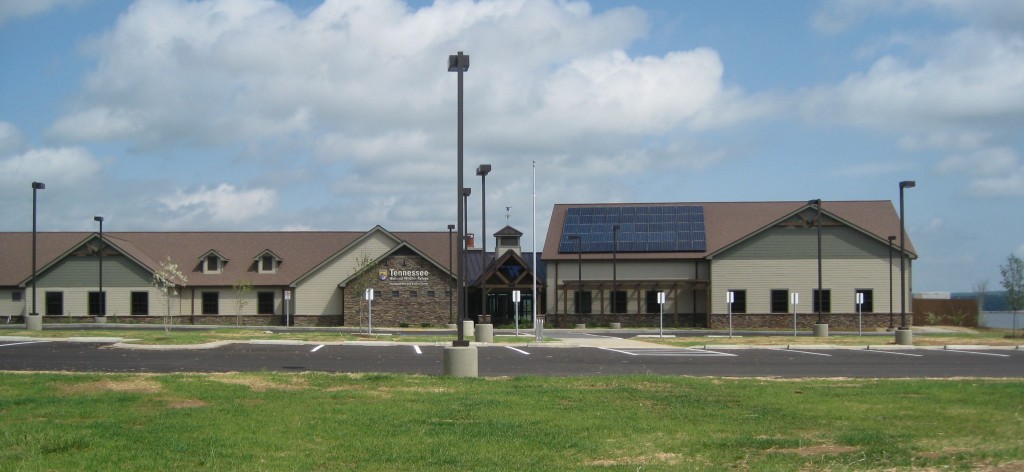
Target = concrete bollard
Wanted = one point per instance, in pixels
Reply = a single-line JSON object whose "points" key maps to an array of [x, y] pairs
{"points": [[34, 322], [821, 330], [484, 333], [467, 329], [452, 326], [615, 325], [461, 361], [581, 326], [904, 337]]}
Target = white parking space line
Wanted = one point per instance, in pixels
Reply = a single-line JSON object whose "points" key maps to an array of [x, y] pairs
{"points": [[25, 342], [317, 348], [518, 350], [978, 353], [806, 352], [713, 352], [893, 352], [417, 348], [671, 352]]}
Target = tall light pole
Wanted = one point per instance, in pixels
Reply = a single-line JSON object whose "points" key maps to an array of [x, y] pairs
{"points": [[34, 323], [579, 276], [482, 170], [102, 298], [459, 63], [903, 256], [615, 275], [891, 239], [821, 327], [463, 291], [451, 289]]}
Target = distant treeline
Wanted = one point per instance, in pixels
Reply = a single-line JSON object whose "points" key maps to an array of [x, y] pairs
{"points": [[994, 301]]}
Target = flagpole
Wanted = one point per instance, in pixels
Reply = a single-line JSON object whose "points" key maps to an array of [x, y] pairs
{"points": [[534, 245]]}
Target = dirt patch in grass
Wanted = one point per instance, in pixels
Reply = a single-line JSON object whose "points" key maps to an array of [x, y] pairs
{"points": [[820, 450], [259, 384], [134, 385], [185, 403], [660, 458]]}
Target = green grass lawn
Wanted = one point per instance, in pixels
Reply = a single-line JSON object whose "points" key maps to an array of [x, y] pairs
{"points": [[320, 421]]}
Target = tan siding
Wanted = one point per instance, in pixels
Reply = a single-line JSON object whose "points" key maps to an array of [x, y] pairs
{"points": [[559, 272], [12, 308], [759, 277], [319, 294]]}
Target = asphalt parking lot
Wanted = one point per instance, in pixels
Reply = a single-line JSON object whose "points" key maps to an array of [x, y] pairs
{"points": [[499, 360]]}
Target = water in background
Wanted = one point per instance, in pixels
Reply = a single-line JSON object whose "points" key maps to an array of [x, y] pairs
{"points": [[1000, 319]]}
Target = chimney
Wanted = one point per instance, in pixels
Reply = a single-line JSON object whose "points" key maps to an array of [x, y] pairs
{"points": [[470, 240]]}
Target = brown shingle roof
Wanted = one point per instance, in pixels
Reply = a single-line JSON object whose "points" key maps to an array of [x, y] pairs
{"points": [[299, 252], [727, 222]]}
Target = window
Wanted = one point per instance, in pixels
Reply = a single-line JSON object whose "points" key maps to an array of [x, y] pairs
{"points": [[431, 294], [140, 303], [618, 299], [267, 263], [212, 263], [826, 301], [211, 303], [265, 303], [780, 301], [394, 294], [652, 302], [413, 294], [54, 303], [581, 302], [94, 304], [739, 301], [15, 296], [869, 305]]}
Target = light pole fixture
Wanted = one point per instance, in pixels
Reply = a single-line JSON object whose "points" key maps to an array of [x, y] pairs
{"points": [[903, 255], [451, 289], [459, 63], [35, 186], [891, 239], [482, 170], [102, 299], [615, 275], [579, 276], [817, 222]]}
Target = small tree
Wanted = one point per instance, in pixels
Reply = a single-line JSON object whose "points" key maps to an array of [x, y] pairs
{"points": [[363, 277], [980, 291], [167, 279], [242, 287], [1013, 282]]}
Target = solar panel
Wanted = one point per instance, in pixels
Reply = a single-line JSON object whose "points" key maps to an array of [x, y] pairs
{"points": [[674, 228]]}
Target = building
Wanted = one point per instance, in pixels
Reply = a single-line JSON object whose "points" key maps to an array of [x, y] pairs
{"points": [[608, 262], [261, 278]]}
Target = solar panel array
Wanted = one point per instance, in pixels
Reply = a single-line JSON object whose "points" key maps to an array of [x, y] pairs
{"points": [[677, 228]]}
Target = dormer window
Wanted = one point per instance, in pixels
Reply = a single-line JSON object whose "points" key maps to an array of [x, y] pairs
{"points": [[212, 262], [267, 262]]}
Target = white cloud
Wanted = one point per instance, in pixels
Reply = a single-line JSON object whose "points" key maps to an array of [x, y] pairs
{"points": [[993, 172], [11, 139], [24, 8], [219, 71], [52, 166], [223, 203]]}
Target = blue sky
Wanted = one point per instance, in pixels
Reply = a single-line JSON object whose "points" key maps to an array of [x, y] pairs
{"points": [[339, 115]]}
